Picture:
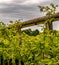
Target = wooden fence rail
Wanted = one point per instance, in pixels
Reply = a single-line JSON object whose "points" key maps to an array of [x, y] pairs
{"points": [[40, 20]]}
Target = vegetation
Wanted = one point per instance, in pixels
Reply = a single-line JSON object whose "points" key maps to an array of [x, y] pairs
{"points": [[31, 33], [41, 49], [49, 12]]}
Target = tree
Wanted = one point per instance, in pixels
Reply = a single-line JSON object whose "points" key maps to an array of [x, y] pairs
{"points": [[31, 33], [49, 10]]}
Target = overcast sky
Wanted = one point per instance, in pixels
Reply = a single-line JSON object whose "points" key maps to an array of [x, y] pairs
{"points": [[22, 9]]}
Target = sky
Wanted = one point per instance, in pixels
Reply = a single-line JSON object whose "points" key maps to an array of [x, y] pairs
{"points": [[22, 9]]}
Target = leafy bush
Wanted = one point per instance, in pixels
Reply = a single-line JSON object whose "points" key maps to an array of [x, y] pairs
{"points": [[42, 49]]}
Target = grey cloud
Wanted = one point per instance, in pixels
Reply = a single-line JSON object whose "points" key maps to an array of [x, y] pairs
{"points": [[15, 10], [19, 11]]}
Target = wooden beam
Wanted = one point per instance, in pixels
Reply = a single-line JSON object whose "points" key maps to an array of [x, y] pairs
{"points": [[40, 20]]}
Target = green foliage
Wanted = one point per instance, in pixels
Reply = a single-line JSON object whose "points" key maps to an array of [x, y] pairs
{"points": [[30, 32], [49, 10], [42, 49]]}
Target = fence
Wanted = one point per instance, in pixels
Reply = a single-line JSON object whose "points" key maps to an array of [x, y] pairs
{"points": [[40, 20]]}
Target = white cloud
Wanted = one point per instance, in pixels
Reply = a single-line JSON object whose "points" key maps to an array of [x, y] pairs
{"points": [[26, 2], [6, 1]]}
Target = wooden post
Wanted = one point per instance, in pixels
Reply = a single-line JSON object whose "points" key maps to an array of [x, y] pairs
{"points": [[20, 36], [49, 25], [20, 44]]}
